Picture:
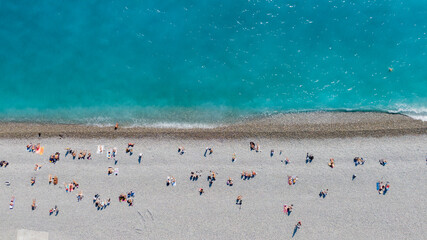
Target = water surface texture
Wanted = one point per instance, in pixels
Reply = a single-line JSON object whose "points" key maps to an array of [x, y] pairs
{"points": [[198, 63]]}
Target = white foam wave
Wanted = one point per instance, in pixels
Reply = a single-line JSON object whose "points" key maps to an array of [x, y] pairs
{"points": [[419, 113]]}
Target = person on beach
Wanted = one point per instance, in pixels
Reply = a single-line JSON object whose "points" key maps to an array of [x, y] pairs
{"points": [[239, 200], [271, 152], [286, 161], [287, 209], [233, 158], [33, 181], [37, 167], [194, 176], [33, 206], [201, 191], [50, 179], [257, 148], [297, 226], [358, 161], [252, 145], [140, 158], [292, 180], [79, 196], [323, 193], [12, 202], [122, 198], [353, 177], [54, 210], [55, 180], [331, 163], [110, 171], [230, 182], [208, 150], [181, 150], [130, 202], [4, 163], [117, 126], [309, 158], [131, 194], [383, 162]]}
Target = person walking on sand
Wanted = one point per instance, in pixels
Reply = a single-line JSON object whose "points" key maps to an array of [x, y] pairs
{"points": [[297, 226]]}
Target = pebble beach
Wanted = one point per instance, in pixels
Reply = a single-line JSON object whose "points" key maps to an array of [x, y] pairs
{"points": [[353, 208]]}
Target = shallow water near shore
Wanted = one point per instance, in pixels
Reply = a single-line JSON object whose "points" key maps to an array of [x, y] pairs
{"points": [[198, 64]]}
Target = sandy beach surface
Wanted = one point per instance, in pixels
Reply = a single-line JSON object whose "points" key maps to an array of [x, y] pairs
{"points": [[353, 209]]}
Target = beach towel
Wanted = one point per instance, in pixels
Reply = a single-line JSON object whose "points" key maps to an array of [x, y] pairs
{"points": [[40, 151], [100, 149], [378, 186]]}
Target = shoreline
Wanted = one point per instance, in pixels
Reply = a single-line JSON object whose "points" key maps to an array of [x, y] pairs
{"points": [[291, 126]]}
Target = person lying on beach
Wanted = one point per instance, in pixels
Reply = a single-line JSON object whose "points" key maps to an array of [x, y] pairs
{"points": [[286, 161], [131, 145], [194, 176], [181, 150], [75, 184], [257, 148], [230, 182], [331, 163], [212, 176], [3, 164], [33, 181], [122, 198], [292, 180], [287, 209], [323, 193], [55, 180], [79, 196], [383, 162], [130, 202], [37, 167], [131, 194], [201, 191], [309, 158], [239, 200], [233, 158], [129, 150], [89, 156], [54, 158], [33, 206], [68, 151], [252, 145], [271, 152], [358, 161], [54, 210], [110, 171], [50, 179], [74, 154], [208, 150]]}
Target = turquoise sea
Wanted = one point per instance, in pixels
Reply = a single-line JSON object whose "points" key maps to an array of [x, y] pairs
{"points": [[204, 62]]}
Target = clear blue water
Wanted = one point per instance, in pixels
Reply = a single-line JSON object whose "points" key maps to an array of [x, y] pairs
{"points": [[207, 62]]}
